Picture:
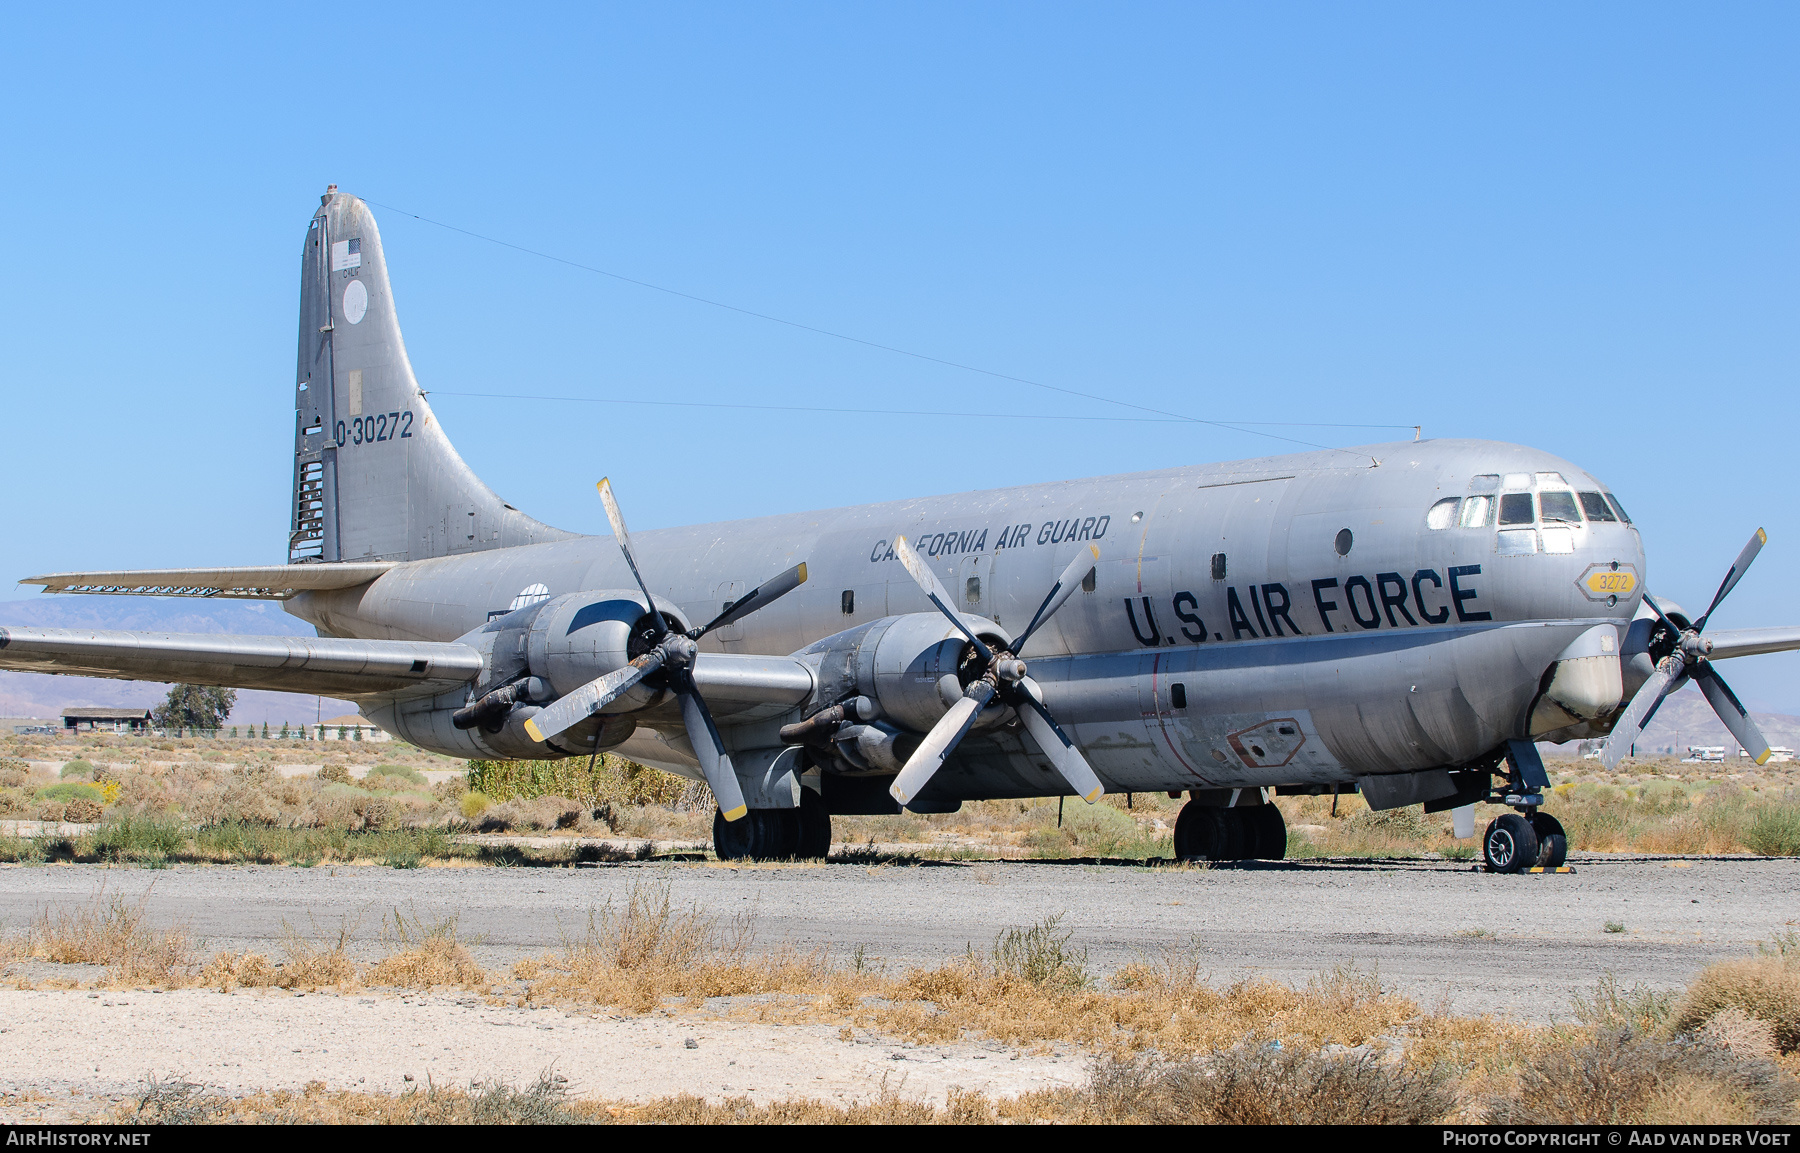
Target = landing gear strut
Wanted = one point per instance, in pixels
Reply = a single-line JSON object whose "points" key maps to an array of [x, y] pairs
{"points": [[1528, 838], [775, 834], [1216, 832]]}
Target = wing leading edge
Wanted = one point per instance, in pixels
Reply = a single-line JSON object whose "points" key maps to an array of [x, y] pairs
{"points": [[324, 665], [257, 582]]}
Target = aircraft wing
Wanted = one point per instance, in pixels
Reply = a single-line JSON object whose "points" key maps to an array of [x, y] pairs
{"points": [[256, 582], [1751, 642], [324, 665]]}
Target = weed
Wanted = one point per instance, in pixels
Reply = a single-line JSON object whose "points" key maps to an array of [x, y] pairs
{"points": [[428, 955], [111, 931], [1264, 1083], [1775, 831], [177, 1101], [1039, 955], [1614, 926], [1638, 1009], [1624, 1076]]}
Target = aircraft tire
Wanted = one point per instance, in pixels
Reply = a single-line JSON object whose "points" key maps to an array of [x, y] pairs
{"points": [[1553, 843], [815, 827], [1191, 838], [1232, 834], [1268, 832], [1510, 845], [760, 835]]}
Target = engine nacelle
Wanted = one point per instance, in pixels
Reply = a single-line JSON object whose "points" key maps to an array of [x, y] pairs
{"points": [[901, 664], [532, 656]]}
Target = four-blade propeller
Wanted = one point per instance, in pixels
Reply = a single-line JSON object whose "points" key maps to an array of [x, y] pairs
{"points": [[1685, 660], [1002, 680], [671, 654]]}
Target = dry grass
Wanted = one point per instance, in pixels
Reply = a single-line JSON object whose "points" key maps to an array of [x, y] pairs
{"points": [[109, 931], [1765, 988], [424, 956]]}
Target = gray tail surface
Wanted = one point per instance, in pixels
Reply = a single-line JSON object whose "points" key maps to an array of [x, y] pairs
{"points": [[375, 478]]}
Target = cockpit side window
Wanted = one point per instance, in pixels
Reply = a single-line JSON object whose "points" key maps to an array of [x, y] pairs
{"points": [[1618, 508], [1442, 514], [1486, 482], [1594, 505], [1559, 506], [1477, 511], [1515, 508]]}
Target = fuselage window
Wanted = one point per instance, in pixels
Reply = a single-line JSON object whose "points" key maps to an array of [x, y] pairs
{"points": [[1595, 506], [1515, 508], [1477, 511], [1442, 514], [1486, 482], [1559, 506], [1618, 508], [1518, 480]]}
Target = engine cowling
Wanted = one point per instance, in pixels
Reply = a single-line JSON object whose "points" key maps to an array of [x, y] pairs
{"points": [[887, 680], [532, 656]]}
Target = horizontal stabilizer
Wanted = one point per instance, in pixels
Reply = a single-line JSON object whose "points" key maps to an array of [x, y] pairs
{"points": [[1751, 642], [325, 665], [253, 582]]}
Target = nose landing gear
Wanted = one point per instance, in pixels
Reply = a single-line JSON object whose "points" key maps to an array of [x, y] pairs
{"points": [[1528, 838]]}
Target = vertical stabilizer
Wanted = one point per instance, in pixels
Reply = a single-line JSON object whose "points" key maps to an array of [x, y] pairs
{"points": [[375, 478]]}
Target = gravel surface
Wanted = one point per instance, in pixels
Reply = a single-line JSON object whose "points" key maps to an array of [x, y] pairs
{"points": [[63, 1054], [1519, 945]]}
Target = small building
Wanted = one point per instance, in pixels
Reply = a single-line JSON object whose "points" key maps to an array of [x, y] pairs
{"points": [[350, 727], [107, 720]]}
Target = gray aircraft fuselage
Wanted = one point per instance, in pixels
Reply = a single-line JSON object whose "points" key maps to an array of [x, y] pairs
{"points": [[1289, 620]]}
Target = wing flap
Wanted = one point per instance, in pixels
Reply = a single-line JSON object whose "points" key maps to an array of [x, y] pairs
{"points": [[325, 665], [254, 582]]}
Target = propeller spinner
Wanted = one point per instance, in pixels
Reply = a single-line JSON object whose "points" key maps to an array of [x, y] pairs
{"points": [[1687, 660], [672, 655], [1003, 677]]}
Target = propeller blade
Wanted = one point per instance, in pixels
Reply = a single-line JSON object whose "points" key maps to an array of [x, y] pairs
{"points": [[617, 520], [703, 734], [1058, 747], [756, 598], [571, 709], [1732, 712], [934, 590], [939, 742], [1732, 577], [1060, 591], [1637, 713]]}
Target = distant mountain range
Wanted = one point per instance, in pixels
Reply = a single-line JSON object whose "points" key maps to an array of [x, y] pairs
{"points": [[1686, 719], [44, 695]]}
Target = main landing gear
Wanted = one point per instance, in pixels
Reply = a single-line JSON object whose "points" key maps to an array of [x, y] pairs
{"points": [[1528, 838], [1212, 828], [775, 834]]}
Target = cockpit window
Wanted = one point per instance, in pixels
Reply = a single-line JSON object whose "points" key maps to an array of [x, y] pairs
{"points": [[1518, 480], [1486, 482], [1442, 514], [1594, 505], [1515, 508], [1618, 508], [1559, 506], [1550, 478], [1477, 511]]}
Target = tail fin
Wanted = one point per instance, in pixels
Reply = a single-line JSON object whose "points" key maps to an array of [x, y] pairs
{"points": [[375, 478]]}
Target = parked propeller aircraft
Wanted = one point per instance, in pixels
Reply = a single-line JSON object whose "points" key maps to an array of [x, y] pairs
{"points": [[1404, 620]]}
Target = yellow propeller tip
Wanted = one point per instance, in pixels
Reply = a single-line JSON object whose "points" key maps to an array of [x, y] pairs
{"points": [[532, 731], [1094, 796], [737, 813], [802, 572], [1763, 760]]}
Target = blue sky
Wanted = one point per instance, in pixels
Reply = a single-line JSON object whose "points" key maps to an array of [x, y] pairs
{"points": [[1569, 226]]}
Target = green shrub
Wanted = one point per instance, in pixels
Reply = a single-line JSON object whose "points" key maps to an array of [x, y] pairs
{"points": [[1775, 831], [610, 779], [397, 773], [78, 769], [336, 773], [72, 791], [140, 839], [1401, 824]]}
